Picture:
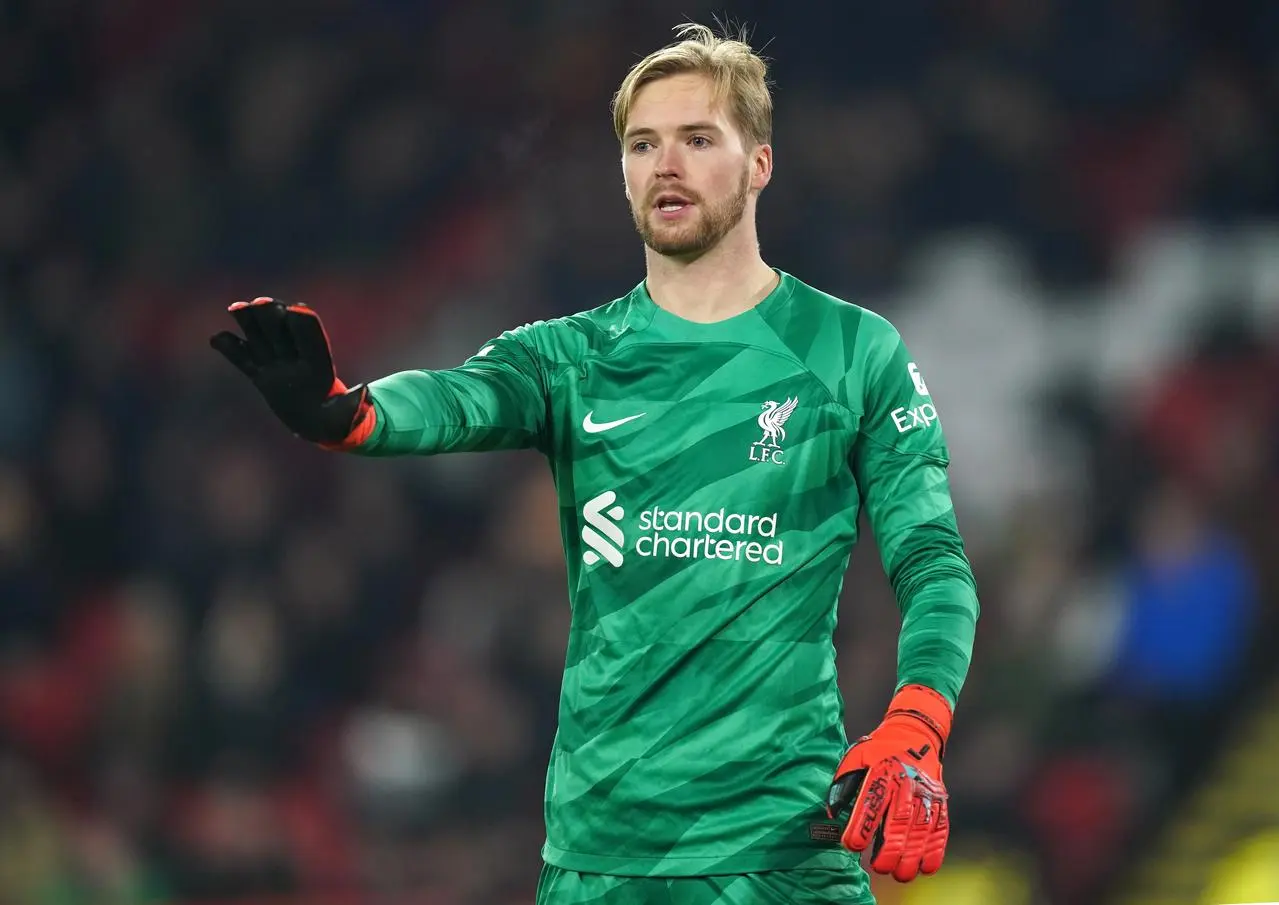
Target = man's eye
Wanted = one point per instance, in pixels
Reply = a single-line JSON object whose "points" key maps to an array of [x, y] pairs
{"points": [[640, 147], [700, 141]]}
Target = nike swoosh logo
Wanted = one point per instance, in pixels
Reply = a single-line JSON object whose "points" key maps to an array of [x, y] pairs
{"points": [[598, 427]]}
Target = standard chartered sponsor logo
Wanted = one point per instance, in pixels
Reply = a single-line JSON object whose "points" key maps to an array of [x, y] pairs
{"points": [[680, 534], [718, 534], [601, 531]]}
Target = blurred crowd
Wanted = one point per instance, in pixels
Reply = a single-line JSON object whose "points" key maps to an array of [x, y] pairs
{"points": [[235, 668]]}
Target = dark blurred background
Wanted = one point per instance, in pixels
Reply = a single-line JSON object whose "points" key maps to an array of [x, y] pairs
{"points": [[237, 669]]}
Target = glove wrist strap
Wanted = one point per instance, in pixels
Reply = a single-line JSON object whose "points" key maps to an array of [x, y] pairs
{"points": [[360, 424], [925, 705]]}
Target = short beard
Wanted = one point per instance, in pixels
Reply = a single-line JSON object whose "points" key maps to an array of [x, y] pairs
{"points": [[714, 222]]}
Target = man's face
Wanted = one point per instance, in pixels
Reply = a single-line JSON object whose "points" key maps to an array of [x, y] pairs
{"points": [[688, 171]]}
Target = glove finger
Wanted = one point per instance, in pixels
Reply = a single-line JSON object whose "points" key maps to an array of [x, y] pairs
{"points": [[872, 804], [236, 351], [843, 792], [309, 339], [897, 824], [262, 321], [935, 844], [275, 323], [920, 827], [926, 815]]}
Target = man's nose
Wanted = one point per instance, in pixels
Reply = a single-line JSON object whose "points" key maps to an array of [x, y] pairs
{"points": [[670, 162]]}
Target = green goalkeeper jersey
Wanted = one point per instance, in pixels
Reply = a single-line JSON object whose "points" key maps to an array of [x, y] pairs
{"points": [[710, 477]]}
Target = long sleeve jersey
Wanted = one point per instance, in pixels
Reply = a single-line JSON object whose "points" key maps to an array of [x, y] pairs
{"points": [[710, 478]]}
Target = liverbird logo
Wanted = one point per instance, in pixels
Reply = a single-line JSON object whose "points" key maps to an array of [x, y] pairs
{"points": [[772, 422], [773, 419]]}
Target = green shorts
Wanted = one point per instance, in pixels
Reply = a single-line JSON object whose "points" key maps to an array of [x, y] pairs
{"points": [[557, 886]]}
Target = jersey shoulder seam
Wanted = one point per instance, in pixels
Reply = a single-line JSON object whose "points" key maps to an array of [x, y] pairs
{"points": [[581, 323], [939, 460], [834, 399], [864, 314]]}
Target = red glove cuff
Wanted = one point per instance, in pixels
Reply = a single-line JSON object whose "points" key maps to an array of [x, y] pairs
{"points": [[363, 424], [923, 704]]}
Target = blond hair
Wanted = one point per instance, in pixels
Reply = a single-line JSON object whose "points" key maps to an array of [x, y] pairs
{"points": [[739, 76]]}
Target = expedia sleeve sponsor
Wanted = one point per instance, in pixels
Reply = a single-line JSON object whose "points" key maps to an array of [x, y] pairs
{"points": [[906, 419], [898, 410]]}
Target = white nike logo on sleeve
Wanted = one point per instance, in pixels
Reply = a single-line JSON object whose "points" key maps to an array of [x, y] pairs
{"points": [[598, 427]]}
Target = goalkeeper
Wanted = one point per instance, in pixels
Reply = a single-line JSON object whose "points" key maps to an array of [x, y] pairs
{"points": [[713, 436]]}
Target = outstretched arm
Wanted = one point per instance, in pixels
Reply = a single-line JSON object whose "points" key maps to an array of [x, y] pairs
{"points": [[494, 400]]}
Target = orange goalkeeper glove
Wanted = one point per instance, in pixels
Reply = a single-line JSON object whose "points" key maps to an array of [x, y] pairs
{"points": [[892, 781]]}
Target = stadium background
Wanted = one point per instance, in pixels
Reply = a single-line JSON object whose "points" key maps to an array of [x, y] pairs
{"points": [[236, 669]]}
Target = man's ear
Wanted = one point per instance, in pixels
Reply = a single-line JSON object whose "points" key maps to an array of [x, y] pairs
{"points": [[761, 167]]}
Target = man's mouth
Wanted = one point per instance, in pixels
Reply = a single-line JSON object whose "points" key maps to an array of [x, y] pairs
{"points": [[669, 203]]}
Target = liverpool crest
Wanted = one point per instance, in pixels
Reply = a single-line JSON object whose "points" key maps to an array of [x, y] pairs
{"points": [[772, 421]]}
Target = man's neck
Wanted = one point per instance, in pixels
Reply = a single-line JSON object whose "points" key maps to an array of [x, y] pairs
{"points": [[729, 279]]}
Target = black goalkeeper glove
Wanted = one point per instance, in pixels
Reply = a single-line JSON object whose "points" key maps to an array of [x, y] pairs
{"points": [[285, 352]]}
